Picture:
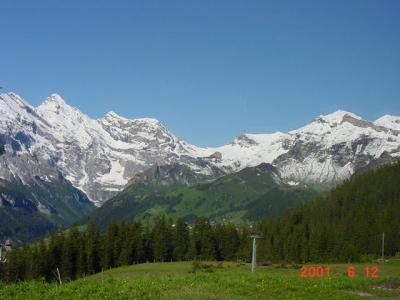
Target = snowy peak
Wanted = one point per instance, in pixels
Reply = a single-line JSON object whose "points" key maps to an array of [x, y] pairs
{"points": [[54, 104], [339, 120], [134, 130], [55, 98], [113, 116], [338, 116], [389, 121]]}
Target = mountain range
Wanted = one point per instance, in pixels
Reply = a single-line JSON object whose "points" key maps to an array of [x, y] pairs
{"points": [[55, 144]]}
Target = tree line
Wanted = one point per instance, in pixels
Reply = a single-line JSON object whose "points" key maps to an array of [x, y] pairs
{"points": [[76, 253], [345, 225]]}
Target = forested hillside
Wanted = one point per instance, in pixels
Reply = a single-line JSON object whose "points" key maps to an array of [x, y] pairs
{"points": [[343, 225]]}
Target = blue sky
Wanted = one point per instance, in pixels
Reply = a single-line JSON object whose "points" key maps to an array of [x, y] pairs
{"points": [[209, 70]]}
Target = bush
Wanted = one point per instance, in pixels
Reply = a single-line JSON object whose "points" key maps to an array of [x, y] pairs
{"points": [[199, 266]]}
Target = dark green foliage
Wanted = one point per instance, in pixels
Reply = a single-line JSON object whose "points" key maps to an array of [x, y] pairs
{"points": [[162, 240], [345, 224], [92, 249], [22, 224], [203, 242], [2, 149], [77, 253], [20, 216], [180, 240], [71, 254]]}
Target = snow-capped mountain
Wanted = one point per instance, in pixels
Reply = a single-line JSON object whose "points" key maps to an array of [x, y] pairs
{"points": [[96, 156], [392, 122], [100, 156]]}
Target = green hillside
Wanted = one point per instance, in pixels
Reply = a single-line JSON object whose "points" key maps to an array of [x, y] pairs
{"points": [[345, 224], [248, 195]]}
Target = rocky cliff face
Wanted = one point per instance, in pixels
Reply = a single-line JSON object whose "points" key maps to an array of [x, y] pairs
{"points": [[101, 156]]}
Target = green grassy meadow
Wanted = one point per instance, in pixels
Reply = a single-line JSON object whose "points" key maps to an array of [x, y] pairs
{"points": [[229, 281]]}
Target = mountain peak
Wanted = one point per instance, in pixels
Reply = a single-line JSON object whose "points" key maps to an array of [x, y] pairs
{"points": [[113, 115], [389, 121], [337, 116], [55, 98], [55, 104]]}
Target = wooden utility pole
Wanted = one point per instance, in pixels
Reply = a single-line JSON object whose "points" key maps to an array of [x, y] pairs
{"points": [[254, 256]]}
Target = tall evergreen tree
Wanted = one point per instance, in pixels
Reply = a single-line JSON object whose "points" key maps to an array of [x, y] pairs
{"points": [[181, 240], [93, 249], [71, 254], [162, 240], [110, 248]]}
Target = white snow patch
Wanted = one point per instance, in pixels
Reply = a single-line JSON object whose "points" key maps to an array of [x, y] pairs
{"points": [[115, 176]]}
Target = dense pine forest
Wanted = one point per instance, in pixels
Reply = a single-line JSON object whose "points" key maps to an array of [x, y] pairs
{"points": [[344, 225], [78, 253]]}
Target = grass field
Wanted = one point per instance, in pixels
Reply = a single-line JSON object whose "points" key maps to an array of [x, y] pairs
{"points": [[229, 281]]}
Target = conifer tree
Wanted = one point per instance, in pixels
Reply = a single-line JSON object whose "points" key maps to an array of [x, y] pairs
{"points": [[55, 253], [110, 239], [70, 253], [181, 240], [93, 249], [162, 240]]}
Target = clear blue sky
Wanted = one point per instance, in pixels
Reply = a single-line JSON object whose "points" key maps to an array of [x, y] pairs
{"points": [[209, 70]]}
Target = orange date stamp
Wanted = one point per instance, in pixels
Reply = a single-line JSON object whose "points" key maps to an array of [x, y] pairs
{"points": [[325, 271]]}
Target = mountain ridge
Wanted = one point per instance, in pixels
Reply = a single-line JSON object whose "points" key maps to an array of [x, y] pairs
{"points": [[100, 157]]}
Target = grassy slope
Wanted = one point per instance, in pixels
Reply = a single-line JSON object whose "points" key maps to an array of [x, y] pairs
{"points": [[173, 281], [250, 194]]}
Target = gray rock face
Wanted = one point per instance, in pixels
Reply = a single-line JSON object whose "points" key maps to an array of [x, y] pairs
{"points": [[100, 157]]}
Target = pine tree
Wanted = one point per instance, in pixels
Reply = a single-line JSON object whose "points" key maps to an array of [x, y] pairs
{"points": [[162, 240], [93, 249], [148, 255], [244, 250], [181, 240], [55, 253], [208, 244], [71, 254], [110, 239]]}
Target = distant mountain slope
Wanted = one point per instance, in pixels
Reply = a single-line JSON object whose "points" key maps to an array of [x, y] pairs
{"points": [[28, 211], [343, 225], [250, 194], [101, 156]]}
